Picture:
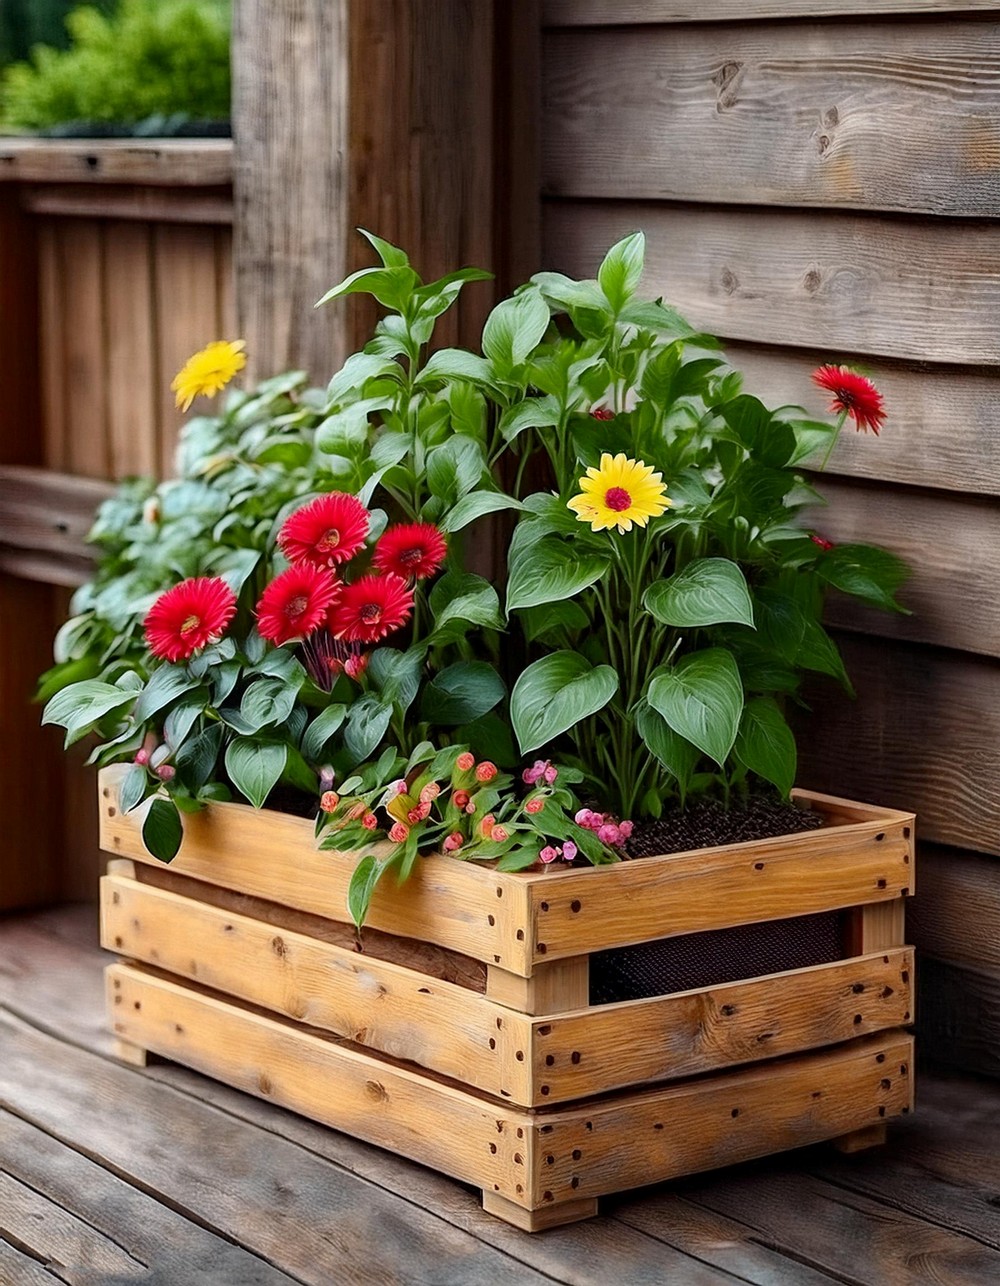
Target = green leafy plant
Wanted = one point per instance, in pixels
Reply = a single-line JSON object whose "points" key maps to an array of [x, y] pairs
{"points": [[149, 58]]}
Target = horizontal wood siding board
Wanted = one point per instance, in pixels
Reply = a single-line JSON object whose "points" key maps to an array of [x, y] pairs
{"points": [[171, 162], [906, 288], [48, 512], [601, 13], [924, 734], [952, 544], [143, 203], [866, 115], [956, 913], [942, 428], [959, 1011]]}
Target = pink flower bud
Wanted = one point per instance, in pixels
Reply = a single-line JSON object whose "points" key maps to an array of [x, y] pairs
{"points": [[329, 800], [398, 787], [499, 834], [535, 804], [465, 761], [326, 777], [470, 807], [418, 814], [355, 666], [626, 829], [454, 840], [486, 825], [569, 851], [430, 792], [460, 798], [550, 774], [141, 758], [585, 817], [486, 771], [548, 853], [399, 833], [369, 822], [609, 834], [535, 773], [166, 772]]}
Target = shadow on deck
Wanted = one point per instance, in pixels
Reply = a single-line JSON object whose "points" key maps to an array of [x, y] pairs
{"points": [[111, 1175]]}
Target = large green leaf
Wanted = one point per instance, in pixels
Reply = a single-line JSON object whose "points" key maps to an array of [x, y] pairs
{"points": [[549, 571], [196, 759], [532, 413], [366, 876], [513, 329], [165, 684], [255, 767], [367, 723], [267, 702], [865, 572], [771, 442], [621, 271], [765, 744], [462, 598], [673, 751], [81, 704], [708, 591], [475, 505], [319, 732], [556, 692], [162, 831], [701, 697], [461, 693]]}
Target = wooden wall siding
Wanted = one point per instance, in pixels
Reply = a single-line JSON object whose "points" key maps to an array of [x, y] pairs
{"points": [[123, 304], [875, 115], [829, 191]]}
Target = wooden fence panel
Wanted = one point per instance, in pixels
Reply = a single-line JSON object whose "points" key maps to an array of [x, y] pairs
{"points": [[596, 13]]}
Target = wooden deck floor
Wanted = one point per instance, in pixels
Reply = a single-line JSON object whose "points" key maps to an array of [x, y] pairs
{"points": [[110, 1175]]}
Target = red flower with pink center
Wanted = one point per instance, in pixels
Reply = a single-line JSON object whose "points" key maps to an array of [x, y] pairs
{"points": [[413, 551], [371, 608], [327, 531], [295, 604], [189, 616], [853, 395]]}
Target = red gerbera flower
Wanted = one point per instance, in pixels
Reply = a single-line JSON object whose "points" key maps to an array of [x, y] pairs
{"points": [[371, 608], [296, 603], [188, 616], [853, 395], [413, 551], [327, 531]]}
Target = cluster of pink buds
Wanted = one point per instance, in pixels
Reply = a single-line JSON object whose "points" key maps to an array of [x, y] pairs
{"points": [[567, 852], [604, 826], [489, 829], [540, 770]]}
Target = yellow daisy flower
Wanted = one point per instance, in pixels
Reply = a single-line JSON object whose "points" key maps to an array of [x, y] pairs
{"points": [[208, 371], [621, 492]]}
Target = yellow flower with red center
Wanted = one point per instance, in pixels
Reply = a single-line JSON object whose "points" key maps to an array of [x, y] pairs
{"points": [[209, 371], [619, 493]]}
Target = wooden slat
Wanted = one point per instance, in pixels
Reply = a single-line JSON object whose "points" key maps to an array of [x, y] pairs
{"points": [[596, 1148], [133, 373], [171, 162], [866, 283], [943, 425], [147, 204], [956, 913], [952, 545], [85, 347], [923, 734], [863, 115], [49, 512], [600, 13], [52, 337]]}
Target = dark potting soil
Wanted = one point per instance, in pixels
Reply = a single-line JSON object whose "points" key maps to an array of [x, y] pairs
{"points": [[697, 960]]}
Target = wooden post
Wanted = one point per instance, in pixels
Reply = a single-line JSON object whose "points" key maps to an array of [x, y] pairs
{"points": [[413, 118]]}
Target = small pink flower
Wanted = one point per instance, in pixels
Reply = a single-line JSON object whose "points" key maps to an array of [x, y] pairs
{"points": [[499, 834], [326, 777], [588, 819], [535, 773], [166, 772], [141, 758], [535, 804], [418, 814], [626, 829], [550, 774], [465, 761], [486, 825], [470, 807], [430, 792], [569, 851], [329, 800], [398, 787], [399, 833], [609, 834], [460, 798], [454, 840], [548, 853], [355, 665], [369, 822], [486, 771]]}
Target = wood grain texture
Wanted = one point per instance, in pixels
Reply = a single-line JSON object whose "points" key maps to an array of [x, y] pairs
{"points": [[52, 357], [132, 203], [870, 284], [598, 13], [49, 513], [84, 346], [943, 425], [133, 371], [952, 545], [599, 1147], [171, 162], [865, 115], [956, 913], [923, 734]]}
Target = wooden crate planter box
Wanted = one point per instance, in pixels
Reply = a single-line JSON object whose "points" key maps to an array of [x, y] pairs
{"points": [[463, 1036]]}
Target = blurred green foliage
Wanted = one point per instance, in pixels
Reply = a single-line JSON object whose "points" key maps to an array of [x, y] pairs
{"points": [[142, 59]]}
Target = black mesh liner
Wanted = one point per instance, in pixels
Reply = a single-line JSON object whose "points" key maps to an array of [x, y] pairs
{"points": [[720, 955]]}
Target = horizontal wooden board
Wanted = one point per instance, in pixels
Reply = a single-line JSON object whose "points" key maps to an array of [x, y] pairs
{"points": [[144, 203], [865, 115], [530, 1061], [47, 512], [943, 422], [606, 1146], [600, 13], [868, 283], [959, 1008], [173, 162], [952, 545], [956, 913], [525, 921], [924, 734]]}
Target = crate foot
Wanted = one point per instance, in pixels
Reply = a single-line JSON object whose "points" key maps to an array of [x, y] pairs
{"points": [[134, 1055], [870, 1136], [553, 1216]]}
